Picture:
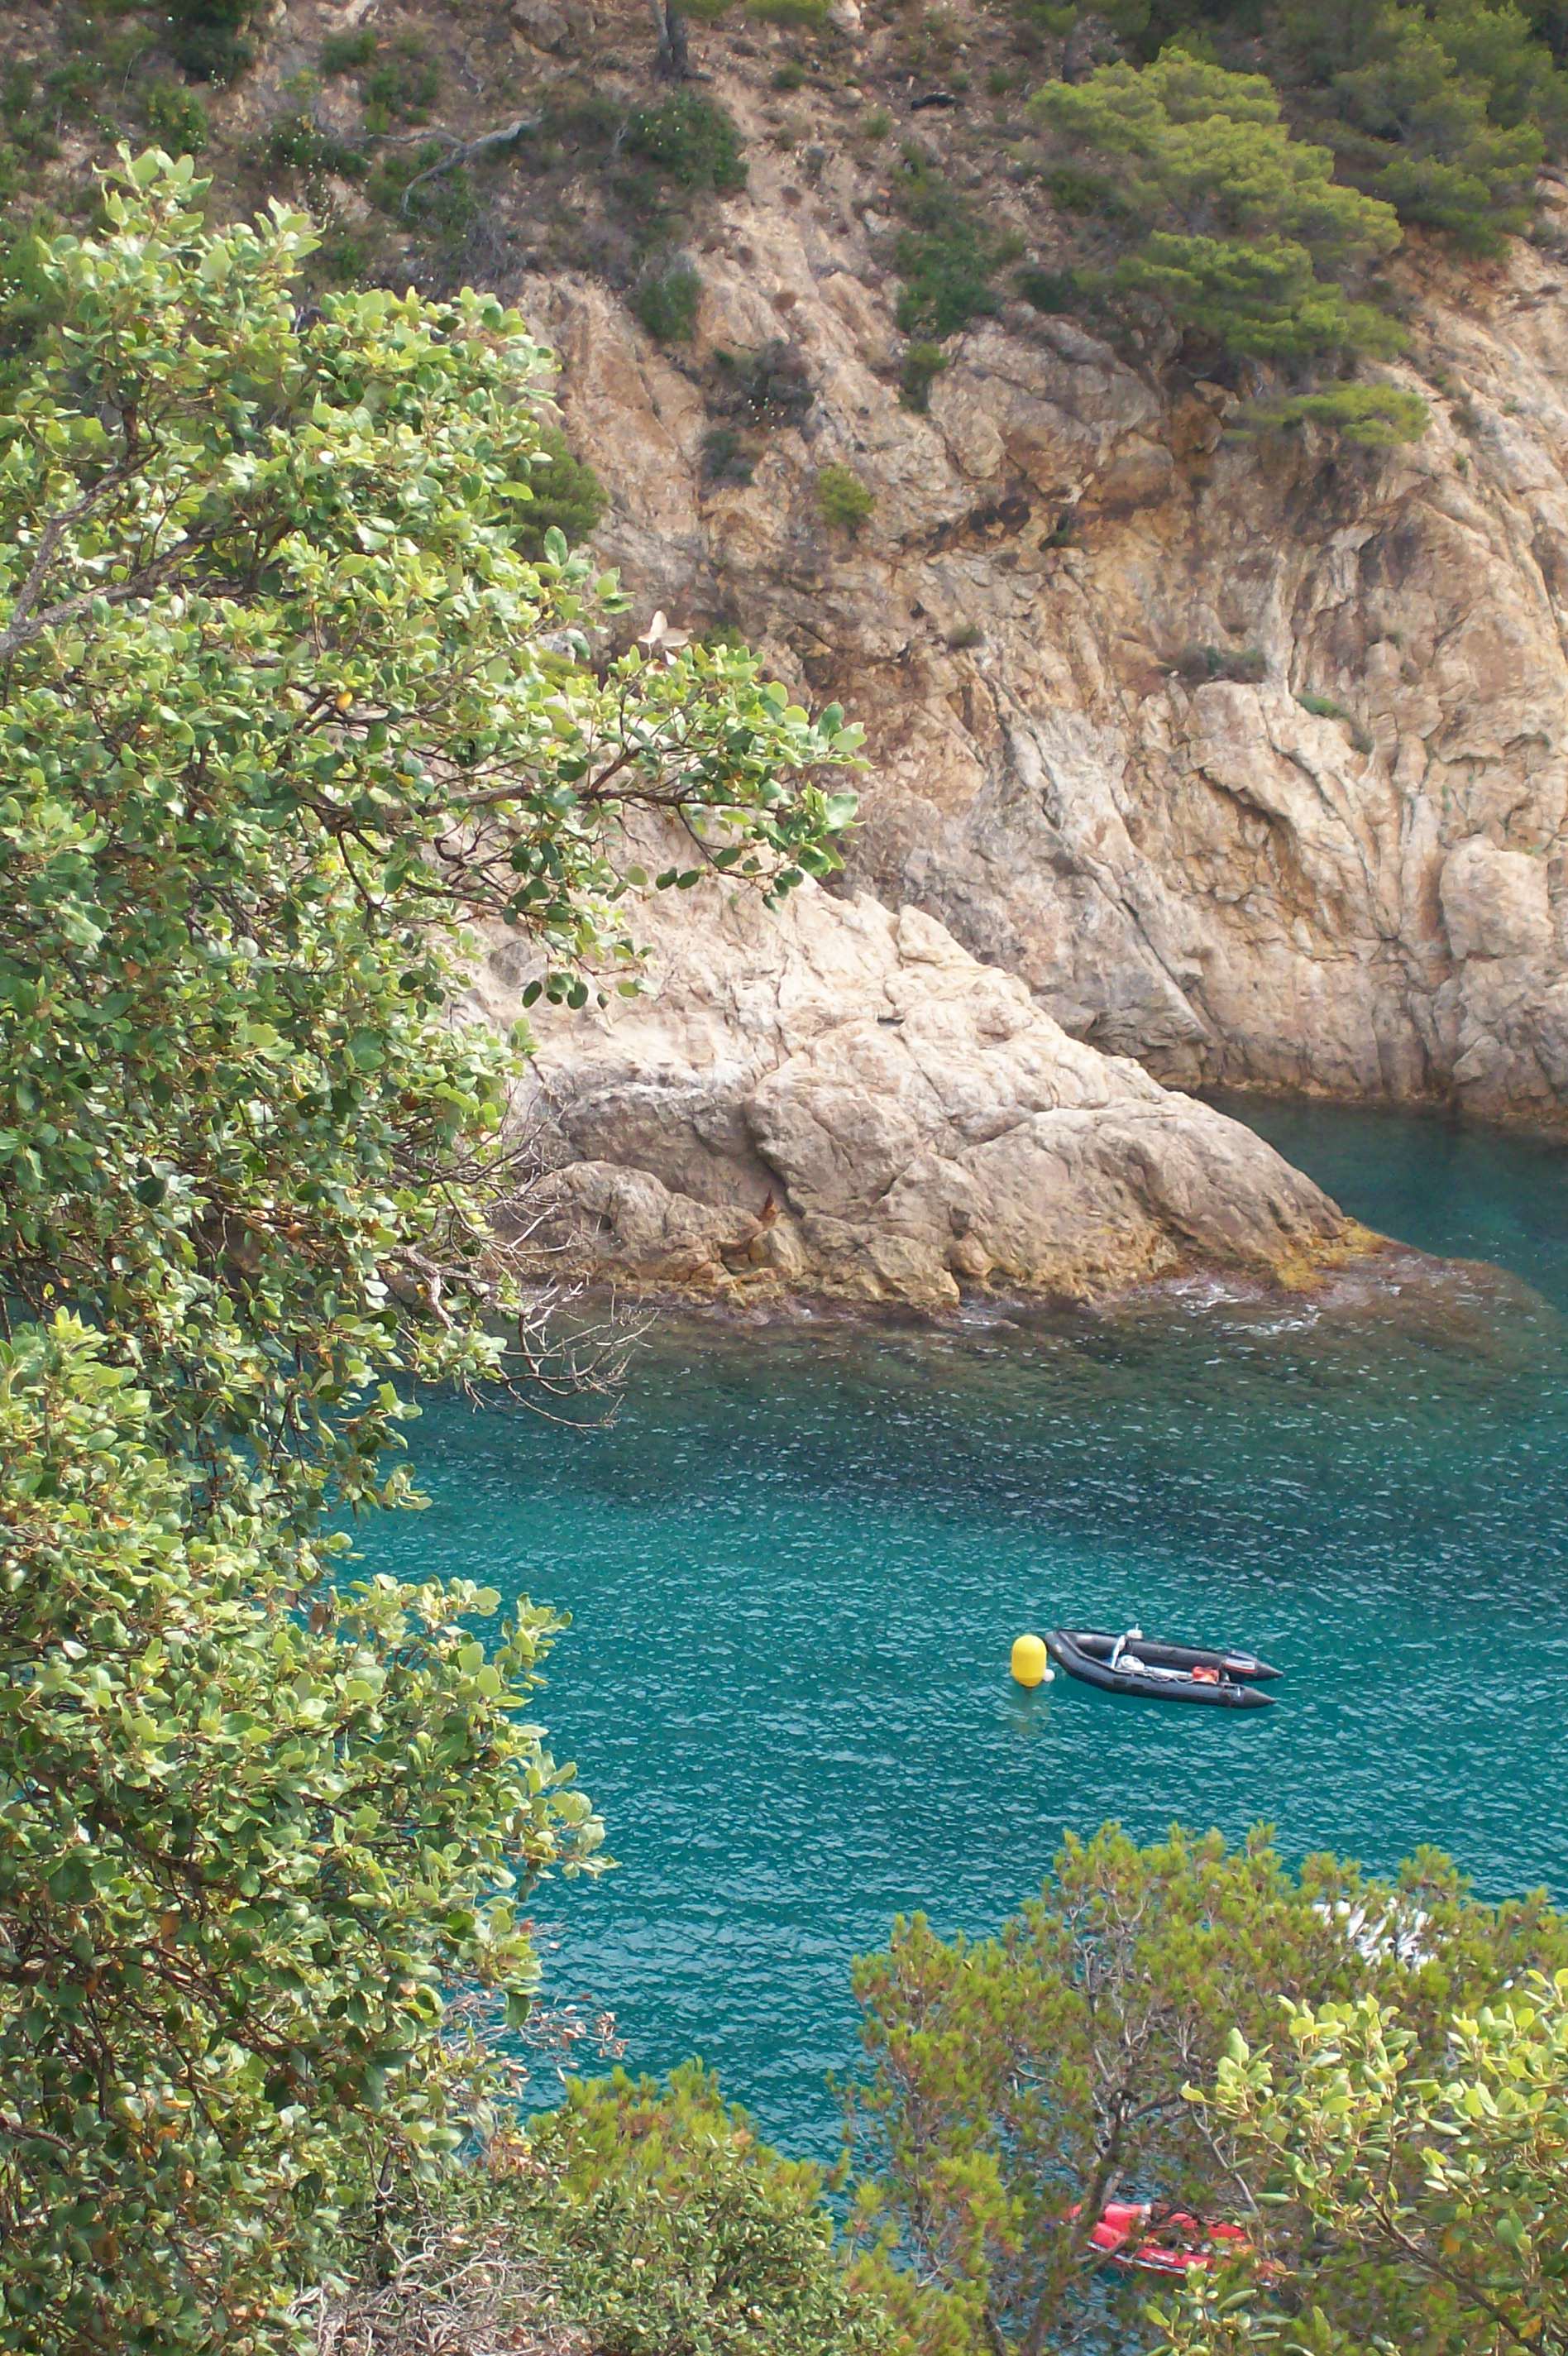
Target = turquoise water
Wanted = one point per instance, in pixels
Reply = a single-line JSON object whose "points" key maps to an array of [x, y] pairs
{"points": [[796, 1562]]}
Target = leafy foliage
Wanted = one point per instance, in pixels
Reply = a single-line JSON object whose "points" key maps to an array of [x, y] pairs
{"points": [[945, 257], [245, 1851], [287, 704], [568, 498], [176, 118], [1379, 416], [402, 85], [343, 53], [1243, 226], [843, 501], [921, 364], [281, 718], [207, 37], [1429, 2189], [296, 142], [667, 304], [1018, 2082], [665, 2225], [693, 140]]}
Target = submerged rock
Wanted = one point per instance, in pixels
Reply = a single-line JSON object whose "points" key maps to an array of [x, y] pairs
{"points": [[834, 1100]]}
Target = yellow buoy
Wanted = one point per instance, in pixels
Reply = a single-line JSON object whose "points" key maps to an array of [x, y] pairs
{"points": [[1030, 1663]]}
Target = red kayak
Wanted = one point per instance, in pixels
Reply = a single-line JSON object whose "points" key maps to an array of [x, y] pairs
{"points": [[1163, 2241]]}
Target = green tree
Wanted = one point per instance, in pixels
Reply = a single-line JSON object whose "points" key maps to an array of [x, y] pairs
{"points": [[1246, 235], [285, 705], [251, 1841], [1379, 416], [1410, 2198], [1429, 142], [666, 2225], [1018, 2082]]}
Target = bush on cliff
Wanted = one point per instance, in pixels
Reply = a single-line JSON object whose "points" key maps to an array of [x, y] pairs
{"points": [[1242, 235], [664, 2223], [285, 703], [1444, 108]]}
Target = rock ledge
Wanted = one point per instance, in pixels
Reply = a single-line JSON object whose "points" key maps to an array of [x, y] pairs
{"points": [[836, 1100]]}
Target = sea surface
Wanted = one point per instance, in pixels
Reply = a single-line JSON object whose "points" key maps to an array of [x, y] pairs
{"points": [[796, 1561]]}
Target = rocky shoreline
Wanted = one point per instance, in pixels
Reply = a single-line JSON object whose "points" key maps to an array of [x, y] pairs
{"points": [[831, 1101]]}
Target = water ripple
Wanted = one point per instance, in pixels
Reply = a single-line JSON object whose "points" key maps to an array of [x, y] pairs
{"points": [[796, 1562]]}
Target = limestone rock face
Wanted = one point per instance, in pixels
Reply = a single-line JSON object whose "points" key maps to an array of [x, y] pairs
{"points": [[1248, 756], [832, 1099]]}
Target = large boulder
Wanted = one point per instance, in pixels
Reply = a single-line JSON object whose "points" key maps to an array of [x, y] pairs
{"points": [[835, 1099]]}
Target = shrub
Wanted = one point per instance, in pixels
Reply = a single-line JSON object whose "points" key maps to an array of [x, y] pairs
{"points": [[647, 2218], [665, 2224], [568, 497], [1378, 416], [812, 16], [877, 123], [342, 259], [725, 458], [946, 280], [1242, 225], [1324, 707], [206, 38], [944, 257], [176, 117], [770, 387], [1078, 191], [343, 53], [1200, 664], [668, 305], [404, 85], [1051, 291], [693, 141], [843, 501], [918, 371], [790, 75], [295, 142], [448, 204]]}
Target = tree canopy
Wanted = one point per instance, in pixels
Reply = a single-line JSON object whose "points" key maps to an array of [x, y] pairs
{"points": [[1019, 2083], [1409, 2198], [1241, 228], [249, 1849], [289, 700], [285, 705]]}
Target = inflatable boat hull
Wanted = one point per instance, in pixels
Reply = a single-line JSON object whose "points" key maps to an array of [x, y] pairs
{"points": [[1085, 1652]]}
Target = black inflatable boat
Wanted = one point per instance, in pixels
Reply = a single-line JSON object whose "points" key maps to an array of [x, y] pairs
{"points": [[1161, 1672]]}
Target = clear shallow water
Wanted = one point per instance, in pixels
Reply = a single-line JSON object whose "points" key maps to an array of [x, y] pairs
{"points": [[797, 1560]]}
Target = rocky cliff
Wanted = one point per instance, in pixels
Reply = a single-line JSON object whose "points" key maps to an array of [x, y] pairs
{"points": [[1194, 754], [1339, 868]]}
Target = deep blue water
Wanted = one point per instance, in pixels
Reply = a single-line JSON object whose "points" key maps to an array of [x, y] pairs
{"points": [[796, 1561]]}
